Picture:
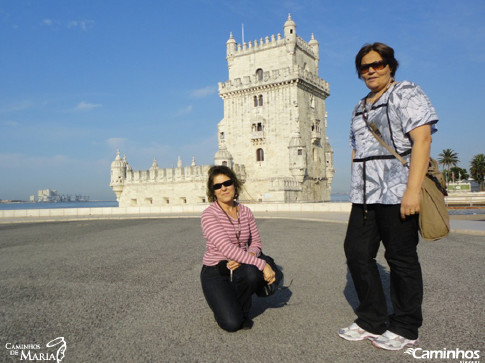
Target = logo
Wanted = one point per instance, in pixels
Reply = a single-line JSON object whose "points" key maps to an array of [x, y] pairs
{"points": [[464, 356], [54, 351]]}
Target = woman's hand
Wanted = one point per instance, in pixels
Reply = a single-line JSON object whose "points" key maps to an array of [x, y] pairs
{"points": [[410, 203], [232, 265], [269, 274]]}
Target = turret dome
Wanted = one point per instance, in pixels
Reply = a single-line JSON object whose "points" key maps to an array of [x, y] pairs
{"points": [[117, 162], [289, 22], [313, 40], [231, 39], [223, 154]]}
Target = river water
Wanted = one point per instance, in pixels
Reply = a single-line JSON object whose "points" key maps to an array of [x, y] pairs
{"points": [[338, 198]]}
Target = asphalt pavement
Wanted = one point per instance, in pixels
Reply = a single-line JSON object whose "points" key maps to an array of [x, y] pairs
{"points": [[128, 290]]}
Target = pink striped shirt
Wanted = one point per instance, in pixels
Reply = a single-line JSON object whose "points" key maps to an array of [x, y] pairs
{"points": [[221, 241]]}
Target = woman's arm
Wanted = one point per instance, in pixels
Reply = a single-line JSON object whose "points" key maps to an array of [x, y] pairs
{"points": [[418, 167], [256, 245]]}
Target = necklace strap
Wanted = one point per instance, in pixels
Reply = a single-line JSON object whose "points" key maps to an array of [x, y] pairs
{"points": [[238, 232]]}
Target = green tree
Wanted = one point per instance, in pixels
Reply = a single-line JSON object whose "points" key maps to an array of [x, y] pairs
{"points": [[477, 169], [448, 158], [459, 173]]}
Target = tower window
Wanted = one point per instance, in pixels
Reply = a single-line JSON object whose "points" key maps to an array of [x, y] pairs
{"points": [[222, 135], [260, 100], [255, 101], [259, 127], [259, 155], [300, 152], [259, 73]]}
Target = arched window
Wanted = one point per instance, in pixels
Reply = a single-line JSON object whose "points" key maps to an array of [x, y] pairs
{"points": [[260, 100], [255, 101], [259, 155], [224, 163], [259, 73], [259, 127]]}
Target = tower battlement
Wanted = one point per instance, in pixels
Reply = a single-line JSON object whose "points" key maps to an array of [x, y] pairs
{"points": [[267, 43], [274, 77], [123, 174]]}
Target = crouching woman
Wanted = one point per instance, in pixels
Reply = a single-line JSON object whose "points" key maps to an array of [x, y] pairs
{"points": [[231, 270]]}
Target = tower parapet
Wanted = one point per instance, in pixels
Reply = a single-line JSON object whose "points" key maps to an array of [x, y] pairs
{"points": [[275, 78], [290, 39], [161, 186]]}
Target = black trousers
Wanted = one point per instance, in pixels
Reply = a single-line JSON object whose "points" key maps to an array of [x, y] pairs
{"points": [[230, 301], [400, 239]]}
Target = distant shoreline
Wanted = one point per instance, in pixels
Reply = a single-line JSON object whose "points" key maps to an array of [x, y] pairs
{"points": [[16, 205]]}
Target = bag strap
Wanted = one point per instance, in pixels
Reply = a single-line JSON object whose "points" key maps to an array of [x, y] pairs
{"points": [[376, 133]]}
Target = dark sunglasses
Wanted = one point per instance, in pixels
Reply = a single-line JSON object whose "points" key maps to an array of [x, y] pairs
{"points": [[227, 183], [376, 66]]}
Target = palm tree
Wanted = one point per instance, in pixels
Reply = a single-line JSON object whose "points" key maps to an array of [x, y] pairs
{"points": [[477, 169], [448, 158]]}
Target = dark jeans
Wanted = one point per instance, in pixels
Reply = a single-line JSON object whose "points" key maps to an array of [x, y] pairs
{"points": [[400, 239], [230, 301]]}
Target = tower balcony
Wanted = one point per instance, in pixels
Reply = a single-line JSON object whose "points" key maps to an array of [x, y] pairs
{"points": [[316, 137], [257, 135]]}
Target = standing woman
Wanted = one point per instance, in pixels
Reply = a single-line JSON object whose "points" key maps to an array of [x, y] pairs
{"points": [[231, 270], [385, 198]]}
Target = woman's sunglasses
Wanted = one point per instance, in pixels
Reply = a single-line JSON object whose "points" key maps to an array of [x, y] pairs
{"points": [[376, 66], [227, 183]]}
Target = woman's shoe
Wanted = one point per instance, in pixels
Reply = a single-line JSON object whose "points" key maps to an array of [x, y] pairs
{"points": [[355, 333], [247, 324], [391, 341]]}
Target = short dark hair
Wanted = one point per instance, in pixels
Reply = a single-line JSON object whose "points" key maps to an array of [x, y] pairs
{"points": [[224, 170], [385, 51]]}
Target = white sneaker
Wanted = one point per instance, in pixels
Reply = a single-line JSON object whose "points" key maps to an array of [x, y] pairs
{"points": [[355, 333], [391, 341]]}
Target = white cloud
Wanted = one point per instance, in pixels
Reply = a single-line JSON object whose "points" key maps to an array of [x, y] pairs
{"points": [[17, 106], [84, 106], [18, 161], [10, 123], [203, 92], [81, 24], [184, 111], [47, 22]]}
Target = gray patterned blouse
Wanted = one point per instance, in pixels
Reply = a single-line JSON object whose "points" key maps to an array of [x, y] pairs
{"points": [[402, 108]]}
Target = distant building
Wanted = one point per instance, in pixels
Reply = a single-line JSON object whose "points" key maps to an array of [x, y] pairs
{"points": [[273, 133], [48, 195], [52, 196]]}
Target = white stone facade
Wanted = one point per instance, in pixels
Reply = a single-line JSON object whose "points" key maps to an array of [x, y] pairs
{"points": [[273, 133]]}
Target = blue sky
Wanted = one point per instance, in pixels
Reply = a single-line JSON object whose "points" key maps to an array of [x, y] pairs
{"points": [[80, 79]]}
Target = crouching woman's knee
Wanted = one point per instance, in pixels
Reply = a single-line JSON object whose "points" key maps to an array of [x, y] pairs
{"points": [[253, 276], [230, 323]]}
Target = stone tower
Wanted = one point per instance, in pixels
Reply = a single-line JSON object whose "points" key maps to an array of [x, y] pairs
{"points": [[118, 175], [275, 120]]}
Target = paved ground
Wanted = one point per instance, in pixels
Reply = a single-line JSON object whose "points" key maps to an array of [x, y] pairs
{"points": [[129, 291]]}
